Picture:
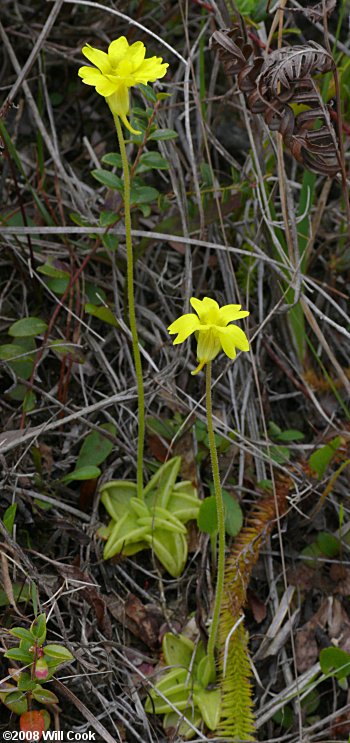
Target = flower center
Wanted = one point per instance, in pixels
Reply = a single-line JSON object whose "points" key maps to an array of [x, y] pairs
{"points": [[211, 317]]}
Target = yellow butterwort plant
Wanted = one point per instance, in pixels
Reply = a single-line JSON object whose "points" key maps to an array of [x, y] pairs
{"points": [[214, 333], [114, 72]]}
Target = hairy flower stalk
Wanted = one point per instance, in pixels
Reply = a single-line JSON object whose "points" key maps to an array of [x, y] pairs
{"points": [[220, 575], [214, 333], [121, 68]]}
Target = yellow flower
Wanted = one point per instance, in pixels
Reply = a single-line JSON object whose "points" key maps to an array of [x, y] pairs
{"points": [[118, 70], [212, 330]]}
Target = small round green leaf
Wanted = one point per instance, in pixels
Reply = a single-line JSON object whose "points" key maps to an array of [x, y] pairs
{"points": [[84, 473], [163, 134], [38, 628], [114, 159], [22, 634], [28, 326], [16, 702], [102, 313], [44, 696], [58, 652], [328, 544], [335, 662], [9, 517], [95, 448], [20, 655], [152, 161], [233, 514], [207, 519], [143, 194], [107, 179]]}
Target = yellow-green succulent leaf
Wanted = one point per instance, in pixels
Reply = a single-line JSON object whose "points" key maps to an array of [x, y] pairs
{"points": [[116, 495], [134, 547], [156, 523], [125, 531], [209, 705], [165, 513], [103, 532], [177, 650], [171, 680], [171, 550], [139, 507], [206, 672], [179, 698], [184, 730], [186, 487], [185, 507], [163, 482]]}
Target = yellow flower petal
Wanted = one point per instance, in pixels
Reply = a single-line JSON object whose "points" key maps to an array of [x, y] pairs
{"points": [[90, 75], [231, 338], [106, 87], [150, 70], [124, 71], [198, 368], [208, 345], [98, 58], [119, 100], [137, 53], [184, 326], [126, 123], [117, 50], [231, 312], [207, 309]]}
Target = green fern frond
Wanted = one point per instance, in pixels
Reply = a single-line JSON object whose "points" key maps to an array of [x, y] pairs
{"points": [[237, 718]]}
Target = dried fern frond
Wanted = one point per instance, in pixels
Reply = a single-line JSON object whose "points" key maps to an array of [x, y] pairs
{"points": [[237, 718], [273, 84]]}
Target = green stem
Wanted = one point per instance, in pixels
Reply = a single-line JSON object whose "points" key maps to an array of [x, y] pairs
{"points": [[221, 523], [131, 307]]}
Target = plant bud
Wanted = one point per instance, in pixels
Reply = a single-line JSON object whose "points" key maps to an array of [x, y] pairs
{"points": [[41, 669]]}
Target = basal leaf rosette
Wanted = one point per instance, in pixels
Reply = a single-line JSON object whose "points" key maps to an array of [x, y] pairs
{"points": [[186, 686], [156, 522]]}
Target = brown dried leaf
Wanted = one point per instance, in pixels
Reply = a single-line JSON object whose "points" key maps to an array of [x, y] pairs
{"points": [[317, 12], [147, 620], [46, 455], [271, 85], [306, 648], [341, 725], [332, 618], [340, 577], [257, 607], [157, 447], [92, 596], [6, 581]]}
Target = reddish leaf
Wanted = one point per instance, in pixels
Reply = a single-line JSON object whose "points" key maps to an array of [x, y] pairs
{"points": [[32, 722], [257, 606], [146, 620], [87, 491], [157, 447]]}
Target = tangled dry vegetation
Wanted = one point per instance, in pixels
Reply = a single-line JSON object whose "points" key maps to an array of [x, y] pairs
{"points": [[241, 193]]}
